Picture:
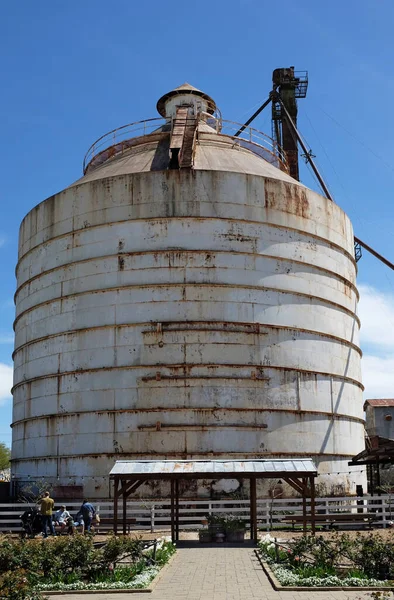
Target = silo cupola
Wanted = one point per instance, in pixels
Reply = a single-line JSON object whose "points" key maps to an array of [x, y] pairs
{"points": [[185, 95]]}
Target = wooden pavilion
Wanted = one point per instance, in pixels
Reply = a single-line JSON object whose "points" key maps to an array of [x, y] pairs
{"points": [[129, 475]]}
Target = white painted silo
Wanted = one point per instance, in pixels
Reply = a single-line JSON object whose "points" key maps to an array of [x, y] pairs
{"points": [[185, 298]]}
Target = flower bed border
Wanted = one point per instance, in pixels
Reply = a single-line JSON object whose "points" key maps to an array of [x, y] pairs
{"points": [[302, 588], [147, 590]]}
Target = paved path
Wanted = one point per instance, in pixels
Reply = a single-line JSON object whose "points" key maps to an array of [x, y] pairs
{"points": [[219, 573]]}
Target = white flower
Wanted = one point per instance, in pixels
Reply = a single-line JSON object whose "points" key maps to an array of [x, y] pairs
{"points": [[141, 580], [287, 577]]}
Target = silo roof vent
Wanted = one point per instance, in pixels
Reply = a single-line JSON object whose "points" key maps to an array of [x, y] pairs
{"points": [[184, 95]]}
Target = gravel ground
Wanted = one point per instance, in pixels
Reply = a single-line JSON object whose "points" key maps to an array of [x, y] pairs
{"points": [[387, 534]]}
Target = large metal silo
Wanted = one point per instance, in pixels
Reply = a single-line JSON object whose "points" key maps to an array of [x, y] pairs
{"points": [[185, 298]]}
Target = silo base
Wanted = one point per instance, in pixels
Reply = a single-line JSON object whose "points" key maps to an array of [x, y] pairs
{"points": [[335, 478]]}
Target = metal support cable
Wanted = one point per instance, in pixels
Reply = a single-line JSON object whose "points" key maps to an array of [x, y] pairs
{"points": [[374, 253], [258, 111], [305, 149], [324, 187]]}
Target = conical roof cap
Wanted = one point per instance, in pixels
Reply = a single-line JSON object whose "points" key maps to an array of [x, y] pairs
{"points": [[185, 88]]}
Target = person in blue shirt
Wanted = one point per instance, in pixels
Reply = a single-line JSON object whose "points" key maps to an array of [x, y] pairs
{"points": [[88, 513]]}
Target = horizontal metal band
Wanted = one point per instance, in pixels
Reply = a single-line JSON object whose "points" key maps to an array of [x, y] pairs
{"points": [[194, 252], [185, 409], [210, 326], [183, 366], [190, 285], [183, 455], [195, 218]]}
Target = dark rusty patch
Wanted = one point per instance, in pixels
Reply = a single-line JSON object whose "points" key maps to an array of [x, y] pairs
{"points": [[120, 262], [287, 197], [348, 289]]}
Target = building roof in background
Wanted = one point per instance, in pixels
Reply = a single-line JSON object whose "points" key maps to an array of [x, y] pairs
{"points": [[379, 402]]}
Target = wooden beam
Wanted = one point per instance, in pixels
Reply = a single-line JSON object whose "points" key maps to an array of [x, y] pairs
{"points": [[378, 484], [253, 510], [172, 510], [116, 497], [304, 505], [133, 487], [295, 484], [313, 503], [124, 498], [177, 510]]}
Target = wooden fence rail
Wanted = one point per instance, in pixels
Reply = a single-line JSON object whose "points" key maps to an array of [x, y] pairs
{"points": [[154, 515]]}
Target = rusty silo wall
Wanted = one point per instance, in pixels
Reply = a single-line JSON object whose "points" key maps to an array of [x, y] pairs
{"points": [[184, 314]]}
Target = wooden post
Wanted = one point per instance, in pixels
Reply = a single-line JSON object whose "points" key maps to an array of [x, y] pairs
{"points": [[378, 478], [313, 504], [172, 510], [304, 485], [116, 496], [124, 507], [177, 509], [253, 510]]}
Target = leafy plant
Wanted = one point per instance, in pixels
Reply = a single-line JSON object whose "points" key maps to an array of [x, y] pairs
{"points": [[320, 551], [216, 519], [121, 547], [234, 523], [72, 563], [15, 585], [312, 557], [374, 556], [32, 492], [227, 521], [5, 456], [164, 552]]}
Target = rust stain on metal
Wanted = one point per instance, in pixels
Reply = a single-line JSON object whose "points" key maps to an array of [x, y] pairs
{"points": [[287, 197], [184, 260], [201, 427], [120, 262]]}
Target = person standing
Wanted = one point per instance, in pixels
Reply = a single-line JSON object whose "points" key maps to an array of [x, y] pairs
{"points": [[46, 510], [88, 513]]}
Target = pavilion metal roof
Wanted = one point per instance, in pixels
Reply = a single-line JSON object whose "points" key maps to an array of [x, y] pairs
{"points": [[222, 468]]}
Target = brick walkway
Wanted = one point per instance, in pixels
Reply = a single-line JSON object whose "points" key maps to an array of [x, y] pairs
{"points": [[219, 573]]}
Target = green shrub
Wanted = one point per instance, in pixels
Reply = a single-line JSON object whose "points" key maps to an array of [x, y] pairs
{"points": [[317, 556], [73, 561], [15, 585], [374, 556], [121, 546]]}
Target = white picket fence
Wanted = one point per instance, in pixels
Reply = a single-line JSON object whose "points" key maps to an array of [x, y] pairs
{"points": [[155, 515]]}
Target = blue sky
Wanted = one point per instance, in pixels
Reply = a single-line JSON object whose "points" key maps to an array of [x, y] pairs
{"points": [[71, 71]]}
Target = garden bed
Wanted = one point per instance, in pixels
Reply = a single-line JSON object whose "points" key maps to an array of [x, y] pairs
{"points": [[340, 562], [74, 564]]}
